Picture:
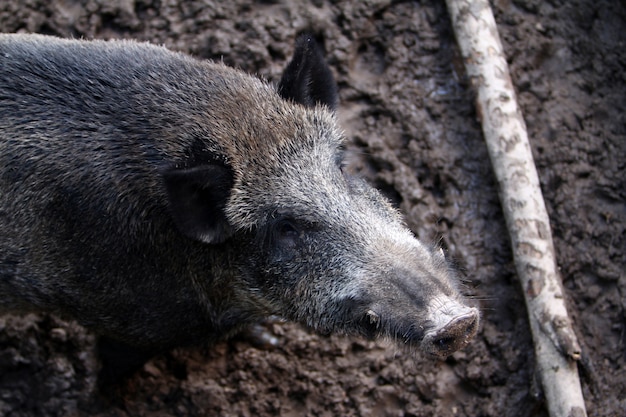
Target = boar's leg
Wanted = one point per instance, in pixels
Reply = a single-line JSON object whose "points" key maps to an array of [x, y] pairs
{"points": [[260, 335], [118, 362]]}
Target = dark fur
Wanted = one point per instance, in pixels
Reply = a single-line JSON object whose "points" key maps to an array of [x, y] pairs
{"points": [[162, 201]]}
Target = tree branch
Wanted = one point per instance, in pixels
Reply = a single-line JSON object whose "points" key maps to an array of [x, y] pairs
{"points": [[556, 346]]}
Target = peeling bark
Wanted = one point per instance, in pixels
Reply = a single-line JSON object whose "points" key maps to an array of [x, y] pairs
{"points": [[556, 346]]}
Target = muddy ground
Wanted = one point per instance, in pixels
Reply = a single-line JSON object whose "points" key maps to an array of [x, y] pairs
{"points": [[413, 131]]}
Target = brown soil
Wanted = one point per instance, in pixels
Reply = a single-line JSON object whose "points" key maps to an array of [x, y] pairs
{"points": [[410, 119]]}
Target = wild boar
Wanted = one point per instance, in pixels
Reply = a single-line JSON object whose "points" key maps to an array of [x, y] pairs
{"points": [[161, 201]]}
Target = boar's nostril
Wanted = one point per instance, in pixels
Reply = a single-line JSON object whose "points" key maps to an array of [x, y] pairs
{"points": [[444, 343], [455, 335]]}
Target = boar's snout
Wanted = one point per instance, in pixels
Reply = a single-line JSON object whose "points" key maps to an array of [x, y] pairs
{"points": [[455, 334], [449, 329], [427, 314]]}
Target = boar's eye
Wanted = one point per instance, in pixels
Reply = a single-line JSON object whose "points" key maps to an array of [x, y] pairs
{"points": [[283, 236], [286, 233]]}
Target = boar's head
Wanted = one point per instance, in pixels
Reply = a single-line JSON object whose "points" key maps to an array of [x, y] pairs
{"points": [[316, 245]]}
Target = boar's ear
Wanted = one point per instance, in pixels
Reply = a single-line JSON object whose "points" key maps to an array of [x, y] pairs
{"points": [[197, 197], [307, 80]]}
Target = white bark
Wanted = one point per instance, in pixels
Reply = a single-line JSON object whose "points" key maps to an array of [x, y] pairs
{"points": [[556, 346]]}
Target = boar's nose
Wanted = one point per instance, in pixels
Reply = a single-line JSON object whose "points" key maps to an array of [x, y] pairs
{"points": [[454, 335]]}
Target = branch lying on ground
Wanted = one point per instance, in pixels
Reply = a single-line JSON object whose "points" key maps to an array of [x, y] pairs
{"points": [[556, 347]]}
